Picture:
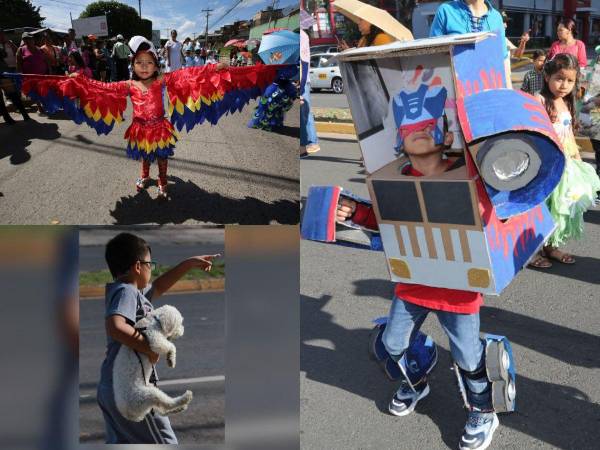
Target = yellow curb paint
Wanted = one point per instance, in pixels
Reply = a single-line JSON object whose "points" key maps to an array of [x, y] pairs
{"points": [[213, 284], [335, 127]]}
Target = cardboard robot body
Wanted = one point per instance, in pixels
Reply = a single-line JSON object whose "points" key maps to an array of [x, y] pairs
{"points": [[443, 231], [458, 230]]}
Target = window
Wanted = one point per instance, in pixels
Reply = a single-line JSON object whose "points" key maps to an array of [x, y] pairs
{"points": [[448, 202], [397, 200], [328, 61]]}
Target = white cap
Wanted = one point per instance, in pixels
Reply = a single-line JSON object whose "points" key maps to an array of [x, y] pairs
{"points": [[136, 41], [119, 37]]}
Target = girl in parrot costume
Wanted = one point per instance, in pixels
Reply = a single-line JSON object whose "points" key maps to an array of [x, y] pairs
{"points": [[193, 95]]}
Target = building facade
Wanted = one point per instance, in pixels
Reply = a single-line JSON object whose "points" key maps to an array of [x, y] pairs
{"points": [[539, 17]]}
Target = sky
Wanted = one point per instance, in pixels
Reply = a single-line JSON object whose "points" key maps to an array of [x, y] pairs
{"points": [[183, 15]]}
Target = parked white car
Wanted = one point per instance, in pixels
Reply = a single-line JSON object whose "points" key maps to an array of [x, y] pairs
{"points": [[325, 73], [323, 49]]}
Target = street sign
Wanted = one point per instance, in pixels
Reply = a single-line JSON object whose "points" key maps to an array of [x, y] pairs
{"points": [[98, 26]]}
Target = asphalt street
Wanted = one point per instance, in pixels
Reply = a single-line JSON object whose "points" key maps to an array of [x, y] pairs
{"points": [[327, 99], [200, 368], [551, 317], [55, 171]]}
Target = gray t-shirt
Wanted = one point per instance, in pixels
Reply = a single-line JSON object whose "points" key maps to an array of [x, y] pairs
{"points": [[125, 300]]}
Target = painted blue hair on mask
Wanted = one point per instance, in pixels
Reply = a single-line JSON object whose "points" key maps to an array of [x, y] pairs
{"points": [[426, 103]]}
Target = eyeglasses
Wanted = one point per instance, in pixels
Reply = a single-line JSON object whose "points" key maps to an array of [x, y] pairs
{"points": [[152, 264]]}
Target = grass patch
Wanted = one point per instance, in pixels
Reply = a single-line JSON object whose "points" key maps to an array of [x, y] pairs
{"points": [[103, 276]]}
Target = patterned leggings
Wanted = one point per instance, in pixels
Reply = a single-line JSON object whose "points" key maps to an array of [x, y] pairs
{"points": [[162, 170]]}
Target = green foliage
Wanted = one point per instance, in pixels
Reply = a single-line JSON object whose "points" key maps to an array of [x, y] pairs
{"points": [[18, 14], [103, 276], [121, 19]]}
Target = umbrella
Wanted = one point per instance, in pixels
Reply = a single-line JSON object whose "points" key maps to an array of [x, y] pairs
{"points": [[280, 47], [356, 10], [235, 42], [273, 30], [252, 43]]}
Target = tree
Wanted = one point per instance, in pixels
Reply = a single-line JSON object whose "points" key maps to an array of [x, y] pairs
{"points": [[19, 14], [121, 19], [405, 11]]}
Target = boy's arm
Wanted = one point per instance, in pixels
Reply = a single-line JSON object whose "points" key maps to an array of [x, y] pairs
{"points": [[525, 85], [118, 329], [169, 278], [360, 214]]}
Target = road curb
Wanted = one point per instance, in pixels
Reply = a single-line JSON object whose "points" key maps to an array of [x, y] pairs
{"points": [[335, 127], [213, 284]]}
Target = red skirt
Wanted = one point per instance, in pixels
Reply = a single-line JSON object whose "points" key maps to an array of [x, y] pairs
{"points": [[150, 139]]}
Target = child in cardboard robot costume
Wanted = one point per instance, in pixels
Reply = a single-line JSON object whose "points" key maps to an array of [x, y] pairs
{"points": [[452, 228]]}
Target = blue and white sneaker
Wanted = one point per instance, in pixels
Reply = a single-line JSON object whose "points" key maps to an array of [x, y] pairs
{"points": [[406, 398], [479, 431]]}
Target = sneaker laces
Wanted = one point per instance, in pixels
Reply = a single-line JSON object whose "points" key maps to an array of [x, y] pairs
{"points": [[475, 419], [405, 388]]}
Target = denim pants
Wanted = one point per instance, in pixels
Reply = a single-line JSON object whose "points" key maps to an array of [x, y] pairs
{"points": [[308, 134], [466, 348]]}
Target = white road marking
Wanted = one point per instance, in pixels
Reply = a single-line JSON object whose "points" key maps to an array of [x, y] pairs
{"points": [[192, 380], [211, 379]]}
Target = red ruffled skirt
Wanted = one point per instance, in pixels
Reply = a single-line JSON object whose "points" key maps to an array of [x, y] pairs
{"points": [[150, 139]]}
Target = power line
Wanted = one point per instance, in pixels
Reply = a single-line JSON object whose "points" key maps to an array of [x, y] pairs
{"points": [[226, 12], [65, 3]]}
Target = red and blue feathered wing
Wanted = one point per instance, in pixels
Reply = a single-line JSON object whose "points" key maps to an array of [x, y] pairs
{"points": [[98, 104], [199, 94]]}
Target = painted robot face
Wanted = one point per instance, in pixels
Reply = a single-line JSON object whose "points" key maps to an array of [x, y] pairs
{"points": [[418, 110]]}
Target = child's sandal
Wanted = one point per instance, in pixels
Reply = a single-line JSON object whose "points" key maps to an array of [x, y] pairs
{"points": [[141, 183]]}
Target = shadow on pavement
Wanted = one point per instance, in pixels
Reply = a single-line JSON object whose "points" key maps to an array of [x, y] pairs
{"points": [[188, 201], [20, 137], [286, 130], [568, 345], [585, 269], [315, 157], [338, 139], [558, 415], [204, 168]]}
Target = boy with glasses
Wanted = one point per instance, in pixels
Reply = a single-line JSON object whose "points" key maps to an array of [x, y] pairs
{"points": [[127, 301]]}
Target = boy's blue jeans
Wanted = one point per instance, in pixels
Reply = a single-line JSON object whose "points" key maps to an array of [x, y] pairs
{"points": [[308, 134], [466, 348]]}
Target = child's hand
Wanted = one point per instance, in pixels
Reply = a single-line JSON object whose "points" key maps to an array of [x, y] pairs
{"points": [[203, 262], [222, 66], [345, 209]]}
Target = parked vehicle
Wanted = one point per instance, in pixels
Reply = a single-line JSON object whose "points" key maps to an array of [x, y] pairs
{"points": [[323, 49], [325, 73]]}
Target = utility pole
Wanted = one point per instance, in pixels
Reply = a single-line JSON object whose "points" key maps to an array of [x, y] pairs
{"points": [[272, 10], [140, 7], [207, 11]]}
